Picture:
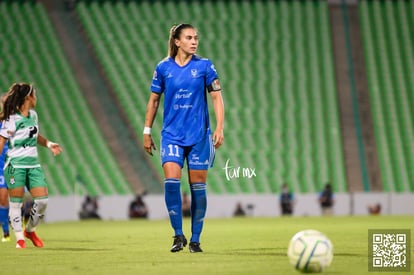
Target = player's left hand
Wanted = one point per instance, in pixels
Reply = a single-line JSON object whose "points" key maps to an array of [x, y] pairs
{"points": [[218, 138], [55, 148]]}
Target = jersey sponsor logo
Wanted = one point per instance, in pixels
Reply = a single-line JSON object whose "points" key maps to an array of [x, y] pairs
{"points": [[20, 125], [196, 162], [182, 106], [186, 106], [32, 131], [183, 96]]}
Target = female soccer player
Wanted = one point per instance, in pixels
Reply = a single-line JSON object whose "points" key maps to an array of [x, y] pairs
{"points": [[20, 128], [4, 199], [4, 195], [184, 77]]}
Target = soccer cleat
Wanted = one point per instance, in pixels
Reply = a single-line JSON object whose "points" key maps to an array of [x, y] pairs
{"points": [[195, 247], [6, 238], [34, 238], [21, 244], [179, 243]]}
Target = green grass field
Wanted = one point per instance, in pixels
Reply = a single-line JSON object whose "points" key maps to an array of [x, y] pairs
{"points": [[231, 246]]}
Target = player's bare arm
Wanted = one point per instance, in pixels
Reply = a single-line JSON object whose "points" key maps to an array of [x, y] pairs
{"points": [[54, 147], [3, 141], [152, 108], [218, 105]]}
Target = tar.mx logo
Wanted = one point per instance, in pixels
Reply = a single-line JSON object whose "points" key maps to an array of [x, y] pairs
{"points": [[235, 172]]}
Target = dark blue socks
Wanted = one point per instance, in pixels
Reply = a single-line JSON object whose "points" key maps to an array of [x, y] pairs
{"points": [[173, 202], [198, 209]]}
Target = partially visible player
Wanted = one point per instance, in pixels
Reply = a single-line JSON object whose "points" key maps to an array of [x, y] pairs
{"points": [[4, 196], [22, 169], [185, 79], [4, 199]]}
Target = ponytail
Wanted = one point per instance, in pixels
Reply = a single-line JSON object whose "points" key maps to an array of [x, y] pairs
{"points": [[14, 99]]}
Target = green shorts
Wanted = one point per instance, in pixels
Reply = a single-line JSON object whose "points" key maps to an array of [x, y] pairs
{"points": [[21, 177]]}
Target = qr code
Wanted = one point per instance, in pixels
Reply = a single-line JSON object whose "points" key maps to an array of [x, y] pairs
{"points": [[389, 250]]}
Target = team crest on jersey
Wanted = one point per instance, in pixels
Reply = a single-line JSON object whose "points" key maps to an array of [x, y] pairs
{"points": [[194, 73]]}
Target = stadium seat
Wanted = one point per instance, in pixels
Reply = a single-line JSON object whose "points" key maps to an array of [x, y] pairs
{"points": [[32, 46], [287, 86], [387, 28]]}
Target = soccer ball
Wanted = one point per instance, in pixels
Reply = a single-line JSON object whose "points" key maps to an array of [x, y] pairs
{"points": [[310, 251]]}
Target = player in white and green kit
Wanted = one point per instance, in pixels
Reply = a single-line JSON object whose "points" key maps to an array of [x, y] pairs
{"points": [[20, 130]]}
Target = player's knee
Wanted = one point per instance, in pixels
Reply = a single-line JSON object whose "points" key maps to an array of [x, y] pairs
{"points": [[197, 176], [17, 192], [40, 205]]}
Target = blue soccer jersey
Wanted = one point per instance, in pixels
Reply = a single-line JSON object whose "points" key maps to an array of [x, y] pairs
{"points": [[186, 119], [2, 160]]}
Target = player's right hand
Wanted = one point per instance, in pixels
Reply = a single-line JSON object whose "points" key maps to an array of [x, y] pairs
{"points": [[149, 144]]}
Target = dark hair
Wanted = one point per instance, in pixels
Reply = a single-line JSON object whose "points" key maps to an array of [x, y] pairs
{"points": [[15, 99], [175, 33]]}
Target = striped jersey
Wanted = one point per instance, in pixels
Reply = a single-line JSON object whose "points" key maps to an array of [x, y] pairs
{"points": [[21, 133], [186, 118]]}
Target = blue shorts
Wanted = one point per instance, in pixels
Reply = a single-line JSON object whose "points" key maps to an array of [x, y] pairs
{"points": [[199, 156], [3, 183]]}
